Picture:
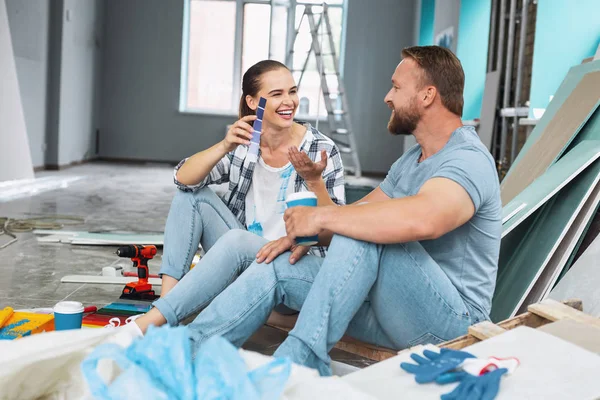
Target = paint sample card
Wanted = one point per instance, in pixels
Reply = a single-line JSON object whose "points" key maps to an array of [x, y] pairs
{"points": [[257, 125]]}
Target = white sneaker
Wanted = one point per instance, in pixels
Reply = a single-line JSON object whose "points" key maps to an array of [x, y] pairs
{"points": [[129, 326]]}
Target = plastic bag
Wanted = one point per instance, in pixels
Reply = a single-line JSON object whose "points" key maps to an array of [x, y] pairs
{"points": [[160, 366], [47, 365]]}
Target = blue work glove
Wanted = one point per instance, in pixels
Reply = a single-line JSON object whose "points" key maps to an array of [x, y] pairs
{"points": [[471, 387], [435, 365]]}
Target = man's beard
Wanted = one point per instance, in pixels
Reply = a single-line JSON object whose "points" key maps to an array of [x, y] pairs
{"points": [[404, 122]]}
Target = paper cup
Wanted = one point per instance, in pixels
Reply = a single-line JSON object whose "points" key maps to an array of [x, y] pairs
{"points": [[306, 199], [68, 315]]}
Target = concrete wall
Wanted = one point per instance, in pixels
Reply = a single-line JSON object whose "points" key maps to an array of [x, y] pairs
{"points": [[57, 52], [565, 34], [79, 80], [472, 50], [375, 38], [446, 17], [29, 26], [141, 76], [15, 158]]}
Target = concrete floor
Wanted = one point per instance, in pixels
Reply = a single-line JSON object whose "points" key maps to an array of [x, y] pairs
{"points": [[109, 197]]}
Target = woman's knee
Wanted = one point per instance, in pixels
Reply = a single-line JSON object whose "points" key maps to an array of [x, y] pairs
{"points": [[242, 241]]}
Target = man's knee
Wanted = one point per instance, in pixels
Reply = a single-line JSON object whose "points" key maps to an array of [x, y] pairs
{"points": [[339, 241]]}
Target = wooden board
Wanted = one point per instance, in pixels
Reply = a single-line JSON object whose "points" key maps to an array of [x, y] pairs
{"points": [[286, 323], [549, 183], [521, 266], [526, 319], [559, 132]]}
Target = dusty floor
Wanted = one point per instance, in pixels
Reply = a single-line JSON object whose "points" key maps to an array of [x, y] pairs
{"points": [[109, 197]]}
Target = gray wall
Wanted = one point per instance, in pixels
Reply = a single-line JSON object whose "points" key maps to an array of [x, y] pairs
{"points": [[375, 38], [15, 159], [29, 26], [140, 86], [79, 79], [446, 15], [141, 75], [58, 62]]}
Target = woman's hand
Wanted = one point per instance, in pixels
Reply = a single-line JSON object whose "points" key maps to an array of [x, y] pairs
{"points": [[307, 169], [239, 133], [273, 249]]}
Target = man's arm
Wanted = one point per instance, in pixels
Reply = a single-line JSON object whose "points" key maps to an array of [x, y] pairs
{"points": [[441, 206]]}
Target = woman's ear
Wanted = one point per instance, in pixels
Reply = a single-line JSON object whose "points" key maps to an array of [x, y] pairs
{"points": [[251, 102]]}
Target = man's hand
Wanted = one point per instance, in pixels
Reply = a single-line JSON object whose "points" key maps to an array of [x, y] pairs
{"points": [[273, 249], [303, 221], [307, 169]]}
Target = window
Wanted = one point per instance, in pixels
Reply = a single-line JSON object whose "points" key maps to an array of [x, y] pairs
{"points": [[223, 38]]}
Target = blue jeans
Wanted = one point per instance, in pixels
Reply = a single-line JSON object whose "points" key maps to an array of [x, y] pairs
{"points": [[219, 267], [198, 217], [394, 296]]}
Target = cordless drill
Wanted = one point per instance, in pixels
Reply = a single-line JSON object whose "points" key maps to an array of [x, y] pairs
{"points": [[140, 255]]}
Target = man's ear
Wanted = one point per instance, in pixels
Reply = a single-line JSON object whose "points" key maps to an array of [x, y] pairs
{"points": [[251, 103], [429, 94]]}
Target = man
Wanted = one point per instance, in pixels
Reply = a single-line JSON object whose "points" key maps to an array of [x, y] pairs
{"points": [[414, 262]]}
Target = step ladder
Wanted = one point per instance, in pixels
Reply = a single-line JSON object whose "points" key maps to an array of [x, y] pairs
{"points": [[332, 86]]}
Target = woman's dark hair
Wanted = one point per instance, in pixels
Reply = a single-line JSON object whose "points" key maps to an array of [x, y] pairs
{"points": [[251, 82]]}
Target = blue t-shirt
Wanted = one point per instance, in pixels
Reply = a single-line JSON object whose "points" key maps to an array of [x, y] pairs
{"points": [[469, 254]]}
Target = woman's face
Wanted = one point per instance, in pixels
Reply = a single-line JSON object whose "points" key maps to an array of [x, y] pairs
{"points": [[280, 90]]}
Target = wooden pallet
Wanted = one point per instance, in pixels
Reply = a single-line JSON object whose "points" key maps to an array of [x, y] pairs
{"points": [[537, 315]]}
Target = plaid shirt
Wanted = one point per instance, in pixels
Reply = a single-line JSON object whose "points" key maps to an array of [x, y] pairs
{"points": [[237, 168]]}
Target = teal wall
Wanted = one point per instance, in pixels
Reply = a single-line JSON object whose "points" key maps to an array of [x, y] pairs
{"points": [[426, 27], [566, 32], [472, 50]]}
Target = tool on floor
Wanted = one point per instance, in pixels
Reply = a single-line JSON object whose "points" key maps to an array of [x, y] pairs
{"points": [[332, 85], [140, 255]]}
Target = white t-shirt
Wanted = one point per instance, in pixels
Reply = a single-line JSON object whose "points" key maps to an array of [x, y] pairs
{"points": [[265, 201]]}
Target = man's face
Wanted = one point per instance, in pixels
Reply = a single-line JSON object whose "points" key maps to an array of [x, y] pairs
{"points": [[402, 98]]}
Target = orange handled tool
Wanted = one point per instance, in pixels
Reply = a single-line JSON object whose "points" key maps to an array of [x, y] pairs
{"points": [[140, 255]]}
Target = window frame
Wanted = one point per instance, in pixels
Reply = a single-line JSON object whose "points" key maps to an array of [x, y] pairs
{"points": [[239, 28]]}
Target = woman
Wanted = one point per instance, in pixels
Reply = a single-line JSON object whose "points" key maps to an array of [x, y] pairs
{"points": [[293, 157]]}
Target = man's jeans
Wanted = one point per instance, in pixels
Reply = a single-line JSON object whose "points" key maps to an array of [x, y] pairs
{"points": [[391, 295], [194, 218]]}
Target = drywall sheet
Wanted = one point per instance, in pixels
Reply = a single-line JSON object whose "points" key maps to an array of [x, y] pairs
{"points": [[583, 335], [583, 280], [547, 370], [572, 79], [549, 183], [15, 157], [560, 131], [520, 266], [563, 252], [488, 108]]}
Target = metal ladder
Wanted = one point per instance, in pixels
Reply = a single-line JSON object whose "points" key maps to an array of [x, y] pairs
{"points": [[336, 103]]}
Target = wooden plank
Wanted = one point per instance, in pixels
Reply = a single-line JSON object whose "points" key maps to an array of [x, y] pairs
{"points": [[286, 323], [485, 330], [554, 311], [564, 126], [527, 319]]}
